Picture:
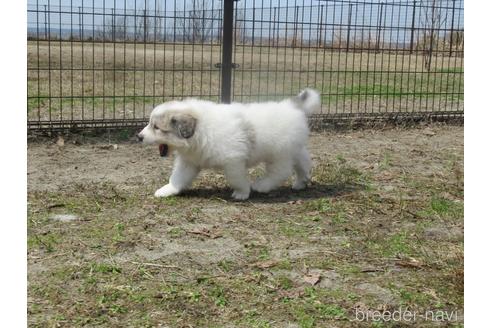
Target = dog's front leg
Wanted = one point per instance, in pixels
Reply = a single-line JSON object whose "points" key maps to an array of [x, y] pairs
{"points": [[237, 177], [181, 178]]}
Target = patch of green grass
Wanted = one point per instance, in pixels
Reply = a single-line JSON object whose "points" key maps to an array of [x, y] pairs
{"points": [[388, 90], [386, 162], [447, 208], [284, 264], [304, 319], [260, 323], [322, 205], [35, 103], [349, 269], [316, 306], [390, 85], [325, 206], [394, 245], [257, 252], [397, 244], [225, 265], [48, 241], [118, 232], [264, 253], [284, 282], [330, 311], [338, 218], [444, 209], [170, 201], [218, 296], [314, 218], [176, 232], [411, 296], [339, 173], [294, 231], [105, 268], [89, 102], [441, 206], [195, 296], [451, 70], [253, 320]]}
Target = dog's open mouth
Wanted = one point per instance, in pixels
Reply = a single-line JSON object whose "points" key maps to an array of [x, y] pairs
{"points": [[163, 149]]}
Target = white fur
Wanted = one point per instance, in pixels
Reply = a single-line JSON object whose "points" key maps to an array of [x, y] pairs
{"points": [[235, 137]]}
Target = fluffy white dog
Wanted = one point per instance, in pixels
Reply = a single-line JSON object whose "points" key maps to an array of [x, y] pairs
{"points": [[232, 138]]}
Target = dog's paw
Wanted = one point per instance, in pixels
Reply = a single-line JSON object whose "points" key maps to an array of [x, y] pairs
{"points": [[240, 195], [261, 186], [166, 191]]}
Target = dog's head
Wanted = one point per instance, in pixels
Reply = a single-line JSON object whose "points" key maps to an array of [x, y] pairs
{"points": [[169, 126]]}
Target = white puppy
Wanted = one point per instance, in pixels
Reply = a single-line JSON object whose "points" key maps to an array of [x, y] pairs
{"points": [[232, 138]]}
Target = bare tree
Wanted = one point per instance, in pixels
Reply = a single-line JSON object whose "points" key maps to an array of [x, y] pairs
{"points": [[197, 24], [158, 32], [144, 24], [115, 29], [240, 27], [433, 18], [456, 40]]}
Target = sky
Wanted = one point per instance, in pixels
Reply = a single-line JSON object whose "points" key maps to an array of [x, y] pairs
{"points": [[360, 15]]}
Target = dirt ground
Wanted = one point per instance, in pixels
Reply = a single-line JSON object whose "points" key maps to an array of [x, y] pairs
{"points": [[380, 228]]}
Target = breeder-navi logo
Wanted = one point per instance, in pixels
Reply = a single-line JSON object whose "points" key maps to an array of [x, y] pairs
{"points": [[405, 315]]}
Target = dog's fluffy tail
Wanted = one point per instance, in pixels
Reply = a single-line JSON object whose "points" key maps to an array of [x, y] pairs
{"points": [[308, 101]]}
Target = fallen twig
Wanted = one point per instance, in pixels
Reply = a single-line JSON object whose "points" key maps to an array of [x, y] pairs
{"points": [[205, 232], [156, 265]]}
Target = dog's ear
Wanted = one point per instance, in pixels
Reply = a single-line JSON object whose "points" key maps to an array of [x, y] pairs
{"points": [[184, 125]]}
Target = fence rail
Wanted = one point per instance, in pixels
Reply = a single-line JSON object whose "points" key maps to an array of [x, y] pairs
{"points": [[107, 63]]}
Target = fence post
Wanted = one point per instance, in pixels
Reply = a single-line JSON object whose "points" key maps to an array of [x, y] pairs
{"points": [[294, 43], [253, 27], [45, 23], [113, 36], [412, 31], [452, 30], [227, 31], [321, 28], [378, 38], [349, 25], [80, 24], [274, 20], [431, 45]]}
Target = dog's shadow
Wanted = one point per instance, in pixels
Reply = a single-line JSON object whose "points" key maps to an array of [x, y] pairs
{"points": [[280, 195]]}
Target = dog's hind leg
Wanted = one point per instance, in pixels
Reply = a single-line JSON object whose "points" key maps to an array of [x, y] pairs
{"points": [[237, 177], [181, 178], [276, 172], [302, 167]]}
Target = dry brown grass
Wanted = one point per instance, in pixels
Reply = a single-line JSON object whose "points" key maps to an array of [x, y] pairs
{"points": [[127, 80]]}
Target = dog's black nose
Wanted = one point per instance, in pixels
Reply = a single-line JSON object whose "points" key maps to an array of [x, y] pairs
{"points": [[139, 137]]}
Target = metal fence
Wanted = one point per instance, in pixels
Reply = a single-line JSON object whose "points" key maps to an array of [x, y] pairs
{"points": [[107, 63]]}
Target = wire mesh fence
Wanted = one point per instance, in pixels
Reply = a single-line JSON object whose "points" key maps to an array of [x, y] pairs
{"points": [[107, 63]]}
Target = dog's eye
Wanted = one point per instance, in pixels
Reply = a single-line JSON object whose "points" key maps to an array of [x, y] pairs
{"points": [[155, 127]]}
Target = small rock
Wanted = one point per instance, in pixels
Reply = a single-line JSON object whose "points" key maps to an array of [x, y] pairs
{"points": [[312, 278], [64, 217]]}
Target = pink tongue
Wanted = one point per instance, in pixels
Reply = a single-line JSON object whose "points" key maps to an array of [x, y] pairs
{"points": [[163, 150]]}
